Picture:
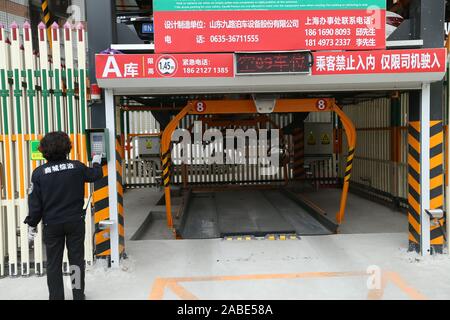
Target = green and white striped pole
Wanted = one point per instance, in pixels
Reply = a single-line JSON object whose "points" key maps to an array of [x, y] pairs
{"points": [[57, 77], [44, 78], [6, 146], [33, 126], [81, 72], [21, 172], [70, 92]]}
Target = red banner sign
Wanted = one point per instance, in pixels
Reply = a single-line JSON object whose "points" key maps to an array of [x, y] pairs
{"points": [[392, 61], [128, 66], [233, 31]]}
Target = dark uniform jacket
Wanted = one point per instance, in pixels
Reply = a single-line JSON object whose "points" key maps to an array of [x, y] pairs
{"points": [[56, 193]]}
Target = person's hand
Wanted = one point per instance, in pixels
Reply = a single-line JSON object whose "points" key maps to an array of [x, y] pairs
{"points": [[97, 159], [32, 233]]}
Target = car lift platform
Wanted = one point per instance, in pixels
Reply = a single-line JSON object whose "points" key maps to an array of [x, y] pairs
{"points": [[249, 211]]}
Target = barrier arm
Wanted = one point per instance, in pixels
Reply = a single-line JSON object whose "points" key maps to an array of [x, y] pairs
{"points": [[350, 132], [165, 159]]}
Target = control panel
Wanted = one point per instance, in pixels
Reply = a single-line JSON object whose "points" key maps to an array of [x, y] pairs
{"points": [[97, 144]]}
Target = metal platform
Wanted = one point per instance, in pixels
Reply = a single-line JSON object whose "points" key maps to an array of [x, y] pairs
{"points": [[255, 212]]}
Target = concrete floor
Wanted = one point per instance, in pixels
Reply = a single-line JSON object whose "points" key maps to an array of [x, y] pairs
{"points": [[361, 215], [145, 218], [139, 203], [314, 267], [323, 267]]}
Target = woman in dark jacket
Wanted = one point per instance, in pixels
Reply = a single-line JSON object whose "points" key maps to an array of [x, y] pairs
{"points": [[56, 196]]}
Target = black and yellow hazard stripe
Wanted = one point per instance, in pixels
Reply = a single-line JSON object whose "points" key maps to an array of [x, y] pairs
{"points": [[48, 19], [299, 153], [436, 182], [119, 162], [349, 166], [165, 160], [414, 190], [101, 208], [100, 200], [47, 16]]}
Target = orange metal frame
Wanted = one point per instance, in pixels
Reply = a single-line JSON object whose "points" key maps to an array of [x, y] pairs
{"points": [[248, 107]]}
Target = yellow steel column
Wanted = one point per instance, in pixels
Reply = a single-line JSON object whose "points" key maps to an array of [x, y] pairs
{"points": [[165, 159], [350, 131]]}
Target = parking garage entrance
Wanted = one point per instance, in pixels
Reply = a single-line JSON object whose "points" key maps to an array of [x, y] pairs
{"points": [[220, 201]]}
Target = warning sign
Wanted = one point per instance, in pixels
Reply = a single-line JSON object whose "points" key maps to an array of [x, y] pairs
{"points": [[35, 154], [318, 138], [325, 139], [149, 144], [311, 139]]}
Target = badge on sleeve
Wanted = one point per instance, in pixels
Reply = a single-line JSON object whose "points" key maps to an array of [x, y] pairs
{"points": [[30, 189]]}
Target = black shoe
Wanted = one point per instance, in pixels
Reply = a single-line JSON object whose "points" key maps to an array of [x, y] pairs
{"points": [[83, 297]]}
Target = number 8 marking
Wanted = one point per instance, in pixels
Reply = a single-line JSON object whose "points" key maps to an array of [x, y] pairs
{"points": [[321, 105], [200, 107]]}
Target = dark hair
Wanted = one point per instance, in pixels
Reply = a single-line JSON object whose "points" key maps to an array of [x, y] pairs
{"points": [[55, 146]]}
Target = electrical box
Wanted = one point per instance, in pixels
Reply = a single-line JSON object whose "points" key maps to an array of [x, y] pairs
{"points": [[149, 146], [97, 143], [149, 152]]}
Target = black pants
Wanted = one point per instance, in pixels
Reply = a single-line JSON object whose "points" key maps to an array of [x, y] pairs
{"points": [[55, 236]]}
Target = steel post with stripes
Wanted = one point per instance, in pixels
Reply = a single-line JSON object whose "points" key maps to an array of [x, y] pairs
{"points": [[414, 172], [119, 150], [436, 167], [425, 176], [100, 200]]}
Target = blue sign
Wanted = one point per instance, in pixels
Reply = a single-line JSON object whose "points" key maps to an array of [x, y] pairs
{"points": [[147, 28]]}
